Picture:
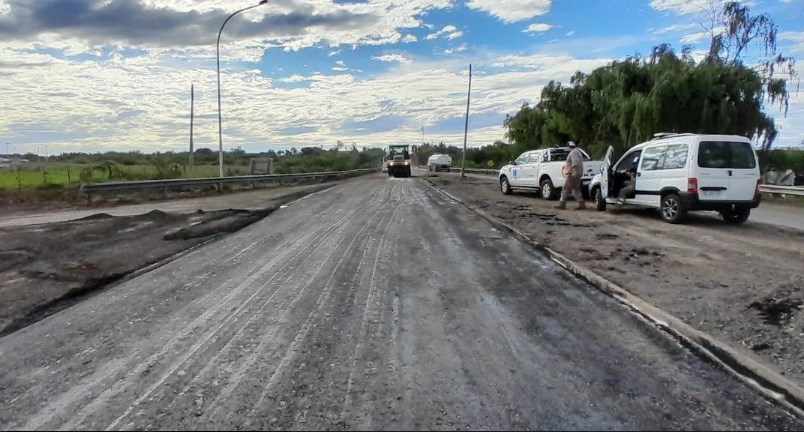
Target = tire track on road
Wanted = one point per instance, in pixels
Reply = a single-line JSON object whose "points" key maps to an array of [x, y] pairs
{"points": [[64, 403], [292, 349], [231, 317], [248, 363]]}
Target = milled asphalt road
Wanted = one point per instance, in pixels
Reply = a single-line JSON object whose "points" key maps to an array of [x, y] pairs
{"points": [[377, 304]]}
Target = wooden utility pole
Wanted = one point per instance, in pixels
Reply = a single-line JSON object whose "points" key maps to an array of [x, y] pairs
{"points": [[192, 103], [466, 126]]}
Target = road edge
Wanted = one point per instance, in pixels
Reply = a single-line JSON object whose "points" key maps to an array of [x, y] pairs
{"points": [[748, 370]]}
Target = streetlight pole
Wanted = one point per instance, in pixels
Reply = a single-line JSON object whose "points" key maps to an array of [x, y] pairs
{"points": [[218, 55], [466, 127]]}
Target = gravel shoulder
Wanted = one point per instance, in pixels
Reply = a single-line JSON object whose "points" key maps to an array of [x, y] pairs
{"points": [[742, 284]]}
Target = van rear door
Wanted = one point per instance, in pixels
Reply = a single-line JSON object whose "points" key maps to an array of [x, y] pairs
{"points": [[727, 170]]}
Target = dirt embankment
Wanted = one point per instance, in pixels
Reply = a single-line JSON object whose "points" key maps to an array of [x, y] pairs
{"points": [[743, 284], [45, 268]]}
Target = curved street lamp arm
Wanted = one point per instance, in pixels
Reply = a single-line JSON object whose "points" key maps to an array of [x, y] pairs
{"points": [[218, 57], [232, 15]]}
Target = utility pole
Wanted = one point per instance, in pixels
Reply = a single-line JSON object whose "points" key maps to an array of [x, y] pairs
{"points": [[466, 126], [422, 135], [192, 104]]}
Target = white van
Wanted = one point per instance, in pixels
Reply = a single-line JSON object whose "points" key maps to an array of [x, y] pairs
{"points": [[677, 173], [439, 162]]}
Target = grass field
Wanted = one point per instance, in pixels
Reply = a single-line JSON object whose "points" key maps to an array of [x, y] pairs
{"points": [[35, 175]]}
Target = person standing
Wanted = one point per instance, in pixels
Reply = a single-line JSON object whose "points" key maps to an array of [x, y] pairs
{"points": [[573, 170]]}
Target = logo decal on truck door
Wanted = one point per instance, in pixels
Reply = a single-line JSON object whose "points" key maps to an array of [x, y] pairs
{"points": [[513, 173]]}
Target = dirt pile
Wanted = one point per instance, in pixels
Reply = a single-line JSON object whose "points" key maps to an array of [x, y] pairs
{"points": [[45, 268]]}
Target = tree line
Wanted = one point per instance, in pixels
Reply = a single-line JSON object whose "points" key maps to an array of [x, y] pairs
{"points": [[626, 102]]}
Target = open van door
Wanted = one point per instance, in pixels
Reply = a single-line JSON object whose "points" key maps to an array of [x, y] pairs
{"points": [[605, 173]]}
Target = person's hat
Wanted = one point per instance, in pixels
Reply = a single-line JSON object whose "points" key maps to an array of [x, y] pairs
{"points": [[571, 144]]}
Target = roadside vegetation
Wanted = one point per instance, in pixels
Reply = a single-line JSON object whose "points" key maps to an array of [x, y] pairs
{"points": [[727, 90], [56, 182], [76, 168]]}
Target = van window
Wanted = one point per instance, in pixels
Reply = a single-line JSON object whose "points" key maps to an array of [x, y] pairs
{"points": [[676, 156], [726, 154], [652, 158], [629, 162]]}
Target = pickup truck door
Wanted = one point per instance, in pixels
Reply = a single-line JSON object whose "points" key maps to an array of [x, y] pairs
{"points": [[517, 171], [530, 170]]}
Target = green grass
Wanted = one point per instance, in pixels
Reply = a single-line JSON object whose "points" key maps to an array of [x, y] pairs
{"points": [[31, 176]]}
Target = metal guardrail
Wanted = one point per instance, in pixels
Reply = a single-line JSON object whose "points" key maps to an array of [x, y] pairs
{"points": [[482, 171], [92, 188], [782, 190]]}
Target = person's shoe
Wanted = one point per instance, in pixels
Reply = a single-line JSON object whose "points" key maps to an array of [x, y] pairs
{"points": [[581, 206], [620, 202], [562, 205]]}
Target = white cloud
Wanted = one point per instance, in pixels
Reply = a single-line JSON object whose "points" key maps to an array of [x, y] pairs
{"points": [[409, 38], [454, 35], [537, 28], [685, 7], [796, 39], [571, 32], [322, 23], [333, 53], [293, 79], [391, 58], [677, 28], [450, 32], [459, 49], [511, 10]]}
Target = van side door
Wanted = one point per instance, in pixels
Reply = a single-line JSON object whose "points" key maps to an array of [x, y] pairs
{"points": [[676, 166], [649, 175]]}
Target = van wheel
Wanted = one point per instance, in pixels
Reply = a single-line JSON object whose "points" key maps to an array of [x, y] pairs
{"points": [[600, 202], [673, 210], [736, 216], [505, 187], [548, 191]]}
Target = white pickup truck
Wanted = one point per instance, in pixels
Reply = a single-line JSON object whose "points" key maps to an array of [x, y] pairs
{"points": [[540, 171]]}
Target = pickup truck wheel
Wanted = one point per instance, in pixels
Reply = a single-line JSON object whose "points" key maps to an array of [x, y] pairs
{"points": [[600, 202], [505, 187], [548, 191], [672, 209], [737, 216]]}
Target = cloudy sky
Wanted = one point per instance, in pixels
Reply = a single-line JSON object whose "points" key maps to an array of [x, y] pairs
{"points": [[96, 75]]}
